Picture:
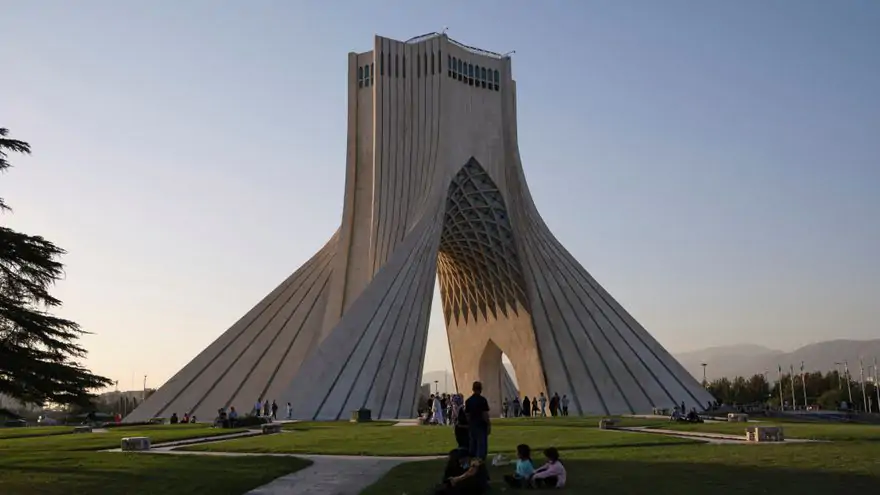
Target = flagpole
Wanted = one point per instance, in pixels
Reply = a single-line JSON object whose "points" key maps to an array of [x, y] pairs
{"points": [[791, 375], [848, 387], [781, 400], [876, 384], [862, 379], [804, 381]]}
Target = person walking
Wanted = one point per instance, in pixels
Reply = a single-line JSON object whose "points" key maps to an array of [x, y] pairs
{"points": [[526, 407], [289, 411], [257, 406], [266, 408], [534, 406], [515, 405], [476, 408], [274, 410], [543, 401], [564, 405], [504, 408]]}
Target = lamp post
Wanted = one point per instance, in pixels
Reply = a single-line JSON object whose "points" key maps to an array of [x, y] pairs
{"points": [[848, 387], [705, 383], [436, 386], [145, 388]]}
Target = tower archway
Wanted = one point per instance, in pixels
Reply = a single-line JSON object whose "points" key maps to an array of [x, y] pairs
{"points": [[483, 291]]}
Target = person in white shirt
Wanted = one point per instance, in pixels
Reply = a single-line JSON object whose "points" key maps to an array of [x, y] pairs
{"points": [[551, 474], [289, 411]]}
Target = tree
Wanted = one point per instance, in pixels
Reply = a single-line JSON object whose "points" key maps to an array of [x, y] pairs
{"points": [[39, 356]]}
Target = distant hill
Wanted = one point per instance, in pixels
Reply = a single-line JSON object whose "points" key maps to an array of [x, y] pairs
{"points": [[749, 359]]}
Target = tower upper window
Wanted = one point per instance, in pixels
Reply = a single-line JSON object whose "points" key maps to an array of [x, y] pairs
{"points": [[404, 66], [396, 66], [382, 63], [419, 69], [483, 77], [432, 62], [460, 69], [360, 77], [372, 73], [470, 74], [497, 80]]}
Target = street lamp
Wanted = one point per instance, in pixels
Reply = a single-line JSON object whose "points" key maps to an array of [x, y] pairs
{"points": [[436, 386], [705, 384]]}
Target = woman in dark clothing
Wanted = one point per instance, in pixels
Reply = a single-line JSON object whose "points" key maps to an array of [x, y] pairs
{"points": [[535, 406], [462, 434], [527, 407]]}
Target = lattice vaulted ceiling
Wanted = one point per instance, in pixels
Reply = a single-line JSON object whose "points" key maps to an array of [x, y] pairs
{"points": [[478, 264]]}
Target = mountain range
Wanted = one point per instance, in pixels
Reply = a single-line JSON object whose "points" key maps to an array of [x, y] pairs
{"points": [[749, 359]]}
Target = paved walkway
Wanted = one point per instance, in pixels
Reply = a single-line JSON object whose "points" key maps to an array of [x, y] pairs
{"points": [[716, 438]]}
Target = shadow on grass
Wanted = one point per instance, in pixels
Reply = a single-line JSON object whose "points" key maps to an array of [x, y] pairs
{"points": [[99, 473], [654, 478]]}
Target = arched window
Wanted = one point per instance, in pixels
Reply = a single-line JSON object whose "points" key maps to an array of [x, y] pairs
{"points": [[419, 69], [483, 77], [460, 69], [449, 65], [372, 73], [382, 63], [397, 66], [404, 66], [470, 74], [432, 62], [360, 77], [426, 65], [497, 80]]}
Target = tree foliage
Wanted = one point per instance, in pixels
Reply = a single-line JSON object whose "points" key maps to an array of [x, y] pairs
{"points": [[39, 356]]}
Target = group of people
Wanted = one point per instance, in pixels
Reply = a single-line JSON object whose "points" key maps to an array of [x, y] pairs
{"points": [[536, 407], [441, 409], [175, 419], [466, 472], [270, 410], [679, 415]]}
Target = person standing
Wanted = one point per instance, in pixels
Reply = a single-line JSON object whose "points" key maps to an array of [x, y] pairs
{"points": [[476, 408], [515, 405], [266, 408], [504, 408], [526, 407], [554, 405], [289, 411], [437, 409], [257, 406], [564, 405], [534, 406], [274, 410], [543, 400]]}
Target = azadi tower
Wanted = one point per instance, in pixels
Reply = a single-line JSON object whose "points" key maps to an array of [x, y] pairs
{"points": [[434, 188]]}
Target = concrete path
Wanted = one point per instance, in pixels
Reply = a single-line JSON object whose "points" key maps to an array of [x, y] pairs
{"points": [[328, 475], [716, 438]]}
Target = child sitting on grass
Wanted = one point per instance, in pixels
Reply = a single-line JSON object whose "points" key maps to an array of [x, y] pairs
{"points": [[524, 468], [551, 474]]}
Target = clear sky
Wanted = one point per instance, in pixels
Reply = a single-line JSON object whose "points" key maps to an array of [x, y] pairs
{"points": [[716, 165]]}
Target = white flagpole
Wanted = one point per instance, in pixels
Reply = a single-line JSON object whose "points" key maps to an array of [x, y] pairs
{"points": [[791, 375], [876, 384], [848, 387], [781, 400], [804, 381], [862, 379]]}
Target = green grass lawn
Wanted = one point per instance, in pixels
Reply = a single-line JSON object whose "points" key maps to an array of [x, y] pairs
{"points": [[111, 438], [34, 431], [427, 440], [68, 464]]}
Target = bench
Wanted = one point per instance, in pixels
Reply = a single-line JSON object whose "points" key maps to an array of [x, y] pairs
{"points": [[269, 428], [661, 411], [764, 434], [135, 443], [606, 423], [82, 429], [737, 418]]}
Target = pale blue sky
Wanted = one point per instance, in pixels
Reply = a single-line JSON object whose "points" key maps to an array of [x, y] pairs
{"points": [[716, 165]]}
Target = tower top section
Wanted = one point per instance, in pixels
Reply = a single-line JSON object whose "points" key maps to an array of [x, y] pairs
{"points": [[472, 49]]}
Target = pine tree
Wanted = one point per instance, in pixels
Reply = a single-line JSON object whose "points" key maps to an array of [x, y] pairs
{"points": [[39, 356]]}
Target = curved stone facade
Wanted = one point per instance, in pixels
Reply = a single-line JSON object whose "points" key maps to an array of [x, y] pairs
{"points": [[434, 187]]}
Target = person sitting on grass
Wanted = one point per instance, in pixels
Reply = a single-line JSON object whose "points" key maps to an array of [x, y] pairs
{"points": [[524, 468], [551, 474], [464, 475]]}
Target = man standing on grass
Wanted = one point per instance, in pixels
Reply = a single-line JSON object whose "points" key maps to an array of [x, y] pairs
{"points": [[477, 410]]}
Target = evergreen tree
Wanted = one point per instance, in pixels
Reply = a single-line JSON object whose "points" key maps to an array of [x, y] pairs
{"points": [[39, 356]]}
